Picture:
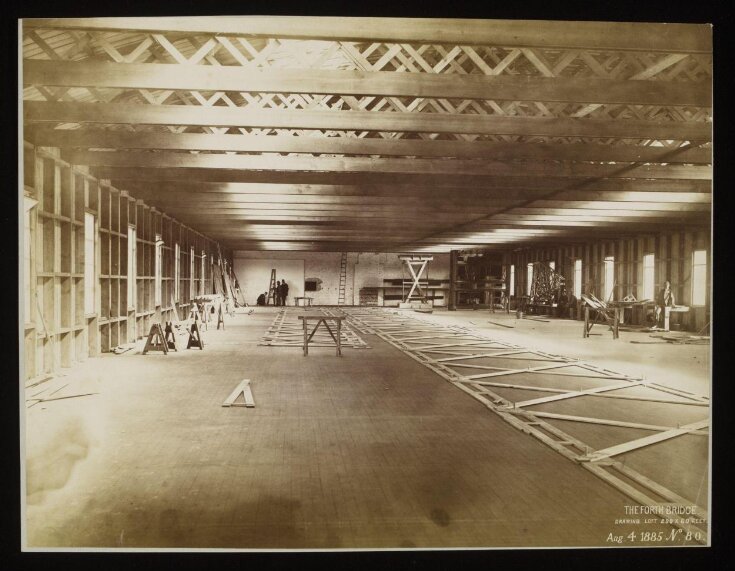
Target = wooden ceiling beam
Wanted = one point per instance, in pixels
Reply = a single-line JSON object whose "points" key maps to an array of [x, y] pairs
{"points": [[393, 228], [103, 139], [190, 77], [677, 38], [329, 201], [595, 212], [106, 113], [572, 220], [613, 200], [149, 178], [228, 216], [369, 180], [385, 166], [457, 217]]}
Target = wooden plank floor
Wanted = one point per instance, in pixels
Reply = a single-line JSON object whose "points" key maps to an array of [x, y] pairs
{"points": [[369, 450]]}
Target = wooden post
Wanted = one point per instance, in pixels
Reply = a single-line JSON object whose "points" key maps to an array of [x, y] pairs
{"points": [[586, 322], [339, 337], [452, 304], [616, 322], [306, 339]]}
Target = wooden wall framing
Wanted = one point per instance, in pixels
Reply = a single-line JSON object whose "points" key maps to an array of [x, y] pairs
{"points": [[59, 332], [673, 261]]}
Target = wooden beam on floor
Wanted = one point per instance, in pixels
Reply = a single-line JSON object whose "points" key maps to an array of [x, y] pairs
{"points": [[575, 394], [609, 422], [642, 442]]}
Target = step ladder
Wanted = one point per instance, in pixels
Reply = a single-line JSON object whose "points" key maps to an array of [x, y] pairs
{"points": [[271, 299], [342, 279]]}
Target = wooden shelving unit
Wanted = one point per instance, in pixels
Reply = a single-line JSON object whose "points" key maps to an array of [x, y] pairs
{"points": [[59, 332], [477, 280]]}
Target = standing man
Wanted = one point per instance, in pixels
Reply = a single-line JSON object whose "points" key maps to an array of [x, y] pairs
{"points": [[277, 294], [665, 299], [284, 292]]}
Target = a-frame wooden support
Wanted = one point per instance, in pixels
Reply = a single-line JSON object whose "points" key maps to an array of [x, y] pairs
{"points": [[220, 317], [242, 389], [156, 340], [413, 262], [170, 336], [195, 338]]}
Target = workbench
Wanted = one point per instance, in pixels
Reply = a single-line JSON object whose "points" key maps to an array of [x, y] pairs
{"points": [[669, 310], [320, 319], [306, 301]]}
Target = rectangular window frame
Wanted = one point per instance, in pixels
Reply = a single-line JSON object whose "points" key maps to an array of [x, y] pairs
{"points": [[29, 204], [578, 278], [649, 276], [699, 299], [177, 271], [192, 279], [157, 267], [132, 266], [204, 273], [90, 264], [608, 278]]}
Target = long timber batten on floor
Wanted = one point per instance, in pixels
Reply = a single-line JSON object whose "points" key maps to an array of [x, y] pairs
{"points": [[425, 340]]}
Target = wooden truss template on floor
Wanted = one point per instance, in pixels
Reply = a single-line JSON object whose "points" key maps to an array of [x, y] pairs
{"points": [[444, 348], [287, 331]]}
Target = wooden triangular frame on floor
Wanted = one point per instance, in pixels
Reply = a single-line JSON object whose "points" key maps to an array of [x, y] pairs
{"points": [[242, 389]]}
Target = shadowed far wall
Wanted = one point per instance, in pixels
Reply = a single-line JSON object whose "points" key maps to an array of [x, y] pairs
{"points": [[363, 270], [254, 276]]}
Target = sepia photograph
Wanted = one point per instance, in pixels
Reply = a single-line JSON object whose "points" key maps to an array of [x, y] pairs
{"points": [[319, 283]]}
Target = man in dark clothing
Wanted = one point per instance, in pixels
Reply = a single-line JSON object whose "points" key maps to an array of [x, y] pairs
{"points": [[277, 294], [665, 299], [284, 292], [261, 298]]}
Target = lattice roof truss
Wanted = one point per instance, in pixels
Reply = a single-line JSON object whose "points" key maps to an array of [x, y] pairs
{"points": [[364, 134]]}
